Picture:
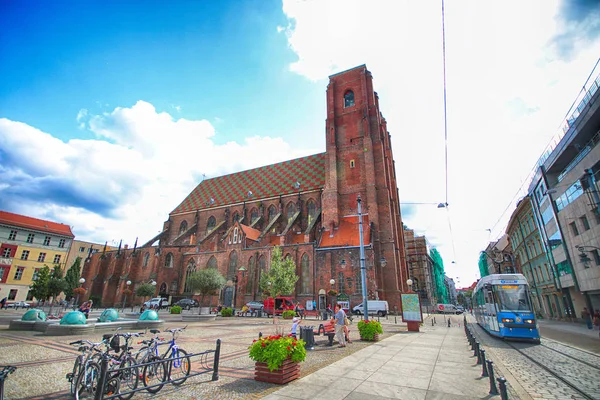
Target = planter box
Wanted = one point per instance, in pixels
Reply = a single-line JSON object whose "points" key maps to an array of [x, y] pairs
{"points": [[288, 372], [375, 338]]}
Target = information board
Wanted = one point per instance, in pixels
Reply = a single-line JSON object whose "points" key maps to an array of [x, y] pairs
{"points": [[411, 307]]}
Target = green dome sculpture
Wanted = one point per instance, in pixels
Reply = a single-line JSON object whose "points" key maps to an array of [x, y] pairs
{"points": [[73, 318], [109, 315], [149, 315], [34, 315]]}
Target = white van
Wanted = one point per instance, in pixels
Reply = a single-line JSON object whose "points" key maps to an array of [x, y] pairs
{"points": [[447, 309], [379, 307]]}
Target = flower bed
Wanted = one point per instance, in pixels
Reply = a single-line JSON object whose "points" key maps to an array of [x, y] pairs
{"points": [[274, 350], [369, 330]]}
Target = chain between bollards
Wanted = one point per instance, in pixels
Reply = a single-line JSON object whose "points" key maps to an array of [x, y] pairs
{"points": [[493, 388], [484, 371], [502, 384]]}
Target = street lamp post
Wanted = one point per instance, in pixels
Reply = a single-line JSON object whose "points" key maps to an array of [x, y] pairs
{"points": [[81, 282], [126, 292], [363, 268], [332, 283]]}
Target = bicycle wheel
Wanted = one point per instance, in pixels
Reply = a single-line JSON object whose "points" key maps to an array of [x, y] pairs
{"points": [[112, 386], [87, 382], [180, 367], [129, 377], [75, 374], [154, 374]]}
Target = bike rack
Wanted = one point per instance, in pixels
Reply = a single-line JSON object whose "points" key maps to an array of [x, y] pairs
{"points": [[5, 370]]}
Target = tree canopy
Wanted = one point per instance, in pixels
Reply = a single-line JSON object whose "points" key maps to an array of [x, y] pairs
{"points": [[145, 290], [39, 287], [205, 282], [281, 277], [72, 277], [56, 283]]}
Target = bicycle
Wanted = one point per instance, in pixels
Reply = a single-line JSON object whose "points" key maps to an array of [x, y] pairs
{"points": [[128, 372], [153, 368], [176, 357]]}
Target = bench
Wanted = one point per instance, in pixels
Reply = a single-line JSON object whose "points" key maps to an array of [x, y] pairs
{"points": [[328, 330]]}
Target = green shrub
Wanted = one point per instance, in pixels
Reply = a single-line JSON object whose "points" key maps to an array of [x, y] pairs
{"points": [[369, 328], [175, 310], [274, 350], [226, 312], [288, 314]]}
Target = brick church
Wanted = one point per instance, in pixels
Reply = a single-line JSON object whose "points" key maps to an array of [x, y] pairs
{"points": [[307, 206]]}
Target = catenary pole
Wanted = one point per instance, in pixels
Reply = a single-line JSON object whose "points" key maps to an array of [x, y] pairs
{"points": [[363, 269]]}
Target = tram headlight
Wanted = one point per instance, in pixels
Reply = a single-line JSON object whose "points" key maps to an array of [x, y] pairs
{"points": [[508, 320], [529, 321]]}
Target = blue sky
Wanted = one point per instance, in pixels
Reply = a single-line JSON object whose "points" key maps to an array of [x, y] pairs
{"points": [[97, 97]]}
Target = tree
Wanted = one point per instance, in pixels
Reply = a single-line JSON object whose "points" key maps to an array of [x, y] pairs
{"points": [[145, 290], [72, 278], [39, 287], [460, 299], [205, 282], [56, 283], [281, 277]]}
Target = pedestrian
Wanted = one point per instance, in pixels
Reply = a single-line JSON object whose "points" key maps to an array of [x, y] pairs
{"points": [[295, 322], [86, 307], [3, 303], [597, 319], [314, 305], [339, 318], [585, 315]]}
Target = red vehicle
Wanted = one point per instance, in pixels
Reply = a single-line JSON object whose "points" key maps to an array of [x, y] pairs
{"points": [[277, 305]]}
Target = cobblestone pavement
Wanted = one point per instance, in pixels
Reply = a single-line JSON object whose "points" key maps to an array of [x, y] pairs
{"points": [[43, 361], [533, 380]]}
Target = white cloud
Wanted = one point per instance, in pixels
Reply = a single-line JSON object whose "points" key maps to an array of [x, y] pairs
{"points": [[507, 90], [124, 183]]}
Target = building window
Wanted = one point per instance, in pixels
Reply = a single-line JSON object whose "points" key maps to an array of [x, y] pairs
{"points": [[6, 252], [169, 261], [35, 274], [12, 294], [253, 215], [305, 273], [182, 227], [210, 225], [30, 237], [29, 296], [212, 263], [349, 99], [351, 163], [358, 283], [146, 259], [12, 235], [191, 268], [585, 223], [2, 270], [235, 235], [61, 243], [25, 255], [56, 259], [574, 228], [47, 241], [596, 257], [236, 217], [19, 273], [41, 257], [272, 213], [233, 258], [82, 249], [340, 282]]}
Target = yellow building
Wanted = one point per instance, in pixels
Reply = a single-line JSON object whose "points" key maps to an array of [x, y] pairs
{"points": [[26, 245]]}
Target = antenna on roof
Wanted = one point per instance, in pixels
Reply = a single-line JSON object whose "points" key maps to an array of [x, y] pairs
{"points": [[297, 185], [203, 178], [249, 193]]}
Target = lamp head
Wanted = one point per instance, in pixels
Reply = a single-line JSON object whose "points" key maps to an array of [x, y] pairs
{"points": [[409, 282], [82, 280], [128, 283], [332, 281]]}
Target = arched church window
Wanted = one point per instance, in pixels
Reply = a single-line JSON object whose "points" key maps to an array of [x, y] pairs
{"points": [[163, 289], [291, 210], [169, 261], [349, 98], [212, 262], [236, 216], [233, 258], [182, 227], [210, 225], [358, 283], [235, 235], [191, 268], [272, 213], [349, 285], [253, 215], [146, 260], [340, 282], [311, 208], [251, 274], [305, 273]]}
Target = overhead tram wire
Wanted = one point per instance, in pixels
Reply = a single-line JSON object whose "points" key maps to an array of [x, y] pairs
{"points": [[446, 127]]}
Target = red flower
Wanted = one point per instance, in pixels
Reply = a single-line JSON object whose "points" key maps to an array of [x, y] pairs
{"points": [[254, 341], [263, 344], [293, 343], [289, 348]]}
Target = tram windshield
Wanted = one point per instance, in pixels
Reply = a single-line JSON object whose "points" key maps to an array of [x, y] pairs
{"points": [[513, 298]]}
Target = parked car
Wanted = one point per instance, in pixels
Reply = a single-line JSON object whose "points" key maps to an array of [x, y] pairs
{"points": [[379, 307], [18, 304], [186, 304], [255, 305], [156, 302]]}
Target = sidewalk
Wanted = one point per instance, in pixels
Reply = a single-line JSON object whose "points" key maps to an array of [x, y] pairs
{"points": [[433, 364], [567, 327]]}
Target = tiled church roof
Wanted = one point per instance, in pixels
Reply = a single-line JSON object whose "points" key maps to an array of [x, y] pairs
{"points": [[263, 182]]}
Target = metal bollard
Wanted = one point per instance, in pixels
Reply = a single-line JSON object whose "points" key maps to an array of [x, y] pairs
{"points": [[395, 320], [493, 388], [478, 354], [431, 322], [476, 349], [502, 384], [472, 342], [434, 320], [259, 335], [484, 371]]}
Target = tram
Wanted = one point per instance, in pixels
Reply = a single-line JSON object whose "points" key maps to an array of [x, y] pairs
{"points": [[502, 306]]}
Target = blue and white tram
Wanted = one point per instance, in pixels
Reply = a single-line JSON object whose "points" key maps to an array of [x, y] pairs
{"points": [[502, 306]]}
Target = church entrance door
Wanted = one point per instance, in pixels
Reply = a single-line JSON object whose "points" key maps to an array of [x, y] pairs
{"points": [[228, 296]]}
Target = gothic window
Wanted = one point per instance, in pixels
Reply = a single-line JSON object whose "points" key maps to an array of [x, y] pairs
{"points": [[235, 235], [312, 210], [163, 289], [253, 215], [233, 258], [251, 274], [174, 287], [212, 263], [191, 268], [291, 210], [349, 98], [305, 273], [236, 217], [272, 213], [349, 285], [210, 225], [340, 282], [182, 227], [262, 267], [358, 283], [169, 261], [146, 260]]}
